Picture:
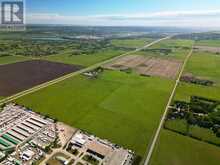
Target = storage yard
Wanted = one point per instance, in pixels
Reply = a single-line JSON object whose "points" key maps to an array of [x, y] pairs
{"points": [[86, 149], [148, 66], [20, 76]]}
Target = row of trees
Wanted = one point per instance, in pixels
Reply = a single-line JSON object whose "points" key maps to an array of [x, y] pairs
{"points": [[195, 80]]}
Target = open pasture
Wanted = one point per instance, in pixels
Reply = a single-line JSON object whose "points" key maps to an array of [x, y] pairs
{"points": [[117, 106]]}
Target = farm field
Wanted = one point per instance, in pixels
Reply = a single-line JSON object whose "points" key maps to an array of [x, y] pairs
{"points": [[169, 49], [175, 149], [211, 49], [172, 43], [204, 64], [85, 60], [148, 66], [131, 43], [212, 43], [12, 59], [20, 76], [185, 90], [117, 106]]}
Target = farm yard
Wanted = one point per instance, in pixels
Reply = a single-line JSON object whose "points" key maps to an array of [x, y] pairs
{"points": [[20, 76], [93, 104], [148, 66]]}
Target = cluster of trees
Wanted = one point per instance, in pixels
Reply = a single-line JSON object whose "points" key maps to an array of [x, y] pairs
{"points": [[199, 111], [31, 48], [195, 80]]}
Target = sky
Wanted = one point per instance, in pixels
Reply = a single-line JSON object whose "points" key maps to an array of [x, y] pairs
{"points": [[179, 13]]}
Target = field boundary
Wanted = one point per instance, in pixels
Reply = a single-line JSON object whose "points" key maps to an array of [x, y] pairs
{"points": [[55, 81], [156, 136]]}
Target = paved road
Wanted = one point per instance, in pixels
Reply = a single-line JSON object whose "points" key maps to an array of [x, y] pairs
{"points": [[151, 149], [36, 88]]}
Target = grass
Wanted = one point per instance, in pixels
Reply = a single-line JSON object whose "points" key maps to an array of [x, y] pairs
{"points": [[185, 91], [197, 132], [85, 60], [204, 134], [12, 59], [204, 64], [180, 48], [214, 43], [124, 108], [175, 149], [178, 54], [172, 43], [131, 43], [201, 64], [177, 125]]}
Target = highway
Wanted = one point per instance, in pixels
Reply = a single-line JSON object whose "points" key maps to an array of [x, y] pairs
{"points": [[156, 136], [55, 81]]}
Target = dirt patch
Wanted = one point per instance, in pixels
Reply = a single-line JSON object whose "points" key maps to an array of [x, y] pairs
{"points": [[207, 49], [65, 132], [147, 65], [20, 76]]}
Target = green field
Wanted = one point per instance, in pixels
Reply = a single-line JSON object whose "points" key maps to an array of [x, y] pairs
{"points": [[178, 49], [175, 149], [85, 60], [131, 43], [124, 108], [12, 59], [174, 43], [177, 125], [204, 134], [185, 90], [214, 43], [205, 65]]}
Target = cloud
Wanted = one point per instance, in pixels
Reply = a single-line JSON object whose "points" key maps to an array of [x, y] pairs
{"points": [[206, 18]]}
